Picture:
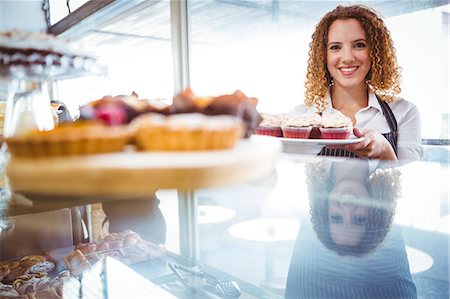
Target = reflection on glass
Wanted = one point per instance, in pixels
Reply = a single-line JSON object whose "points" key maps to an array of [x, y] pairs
{"points": [[141, 215], [351, 249], [28, 108]]}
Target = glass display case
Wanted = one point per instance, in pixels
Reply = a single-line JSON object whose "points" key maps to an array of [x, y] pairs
{"points": [[262, 220], [310, 227]]}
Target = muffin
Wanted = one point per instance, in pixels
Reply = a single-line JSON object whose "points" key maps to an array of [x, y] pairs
{"points": [[335, 126], [297, 126], [186, 132], [72, 138], [271, 124], [316, 121]]}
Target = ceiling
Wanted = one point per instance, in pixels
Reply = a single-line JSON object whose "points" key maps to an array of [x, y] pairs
{"points": [[137, 22]]}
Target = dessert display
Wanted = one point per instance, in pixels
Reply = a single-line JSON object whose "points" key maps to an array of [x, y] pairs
{"points": [[43, 276], [271, 124], [32, 276], [108, 124], [127, 247], [190, 123], [335, 126], [70, 138]]}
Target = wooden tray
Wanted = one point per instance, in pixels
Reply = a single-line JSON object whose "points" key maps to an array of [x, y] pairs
{"points": [[141, 172]]}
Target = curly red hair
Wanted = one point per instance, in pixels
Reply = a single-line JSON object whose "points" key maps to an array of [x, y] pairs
{"points": [[384, 76]]}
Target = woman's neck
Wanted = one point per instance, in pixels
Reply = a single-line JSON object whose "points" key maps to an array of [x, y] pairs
{"points": [[349, 101]]}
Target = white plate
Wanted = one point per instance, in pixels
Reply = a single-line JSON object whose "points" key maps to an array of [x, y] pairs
{"points": [[312, 146], [322, 141]]}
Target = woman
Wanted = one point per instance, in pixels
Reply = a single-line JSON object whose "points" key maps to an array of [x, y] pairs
{"points": [[354, 71]]}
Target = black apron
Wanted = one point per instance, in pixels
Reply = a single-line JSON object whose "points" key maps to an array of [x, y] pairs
{"points": [[391, 136]]}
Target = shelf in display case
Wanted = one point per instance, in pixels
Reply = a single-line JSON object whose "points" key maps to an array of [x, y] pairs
{"points": [[138, 172], [42, 67]]}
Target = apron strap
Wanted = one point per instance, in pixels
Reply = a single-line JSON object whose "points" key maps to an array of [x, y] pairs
{"points": [[392, 136]]}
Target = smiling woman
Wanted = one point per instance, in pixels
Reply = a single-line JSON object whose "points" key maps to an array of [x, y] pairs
{"points": [[353, 71]]}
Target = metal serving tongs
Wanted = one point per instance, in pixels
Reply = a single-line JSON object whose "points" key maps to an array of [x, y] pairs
{"points": [[223, 288]]}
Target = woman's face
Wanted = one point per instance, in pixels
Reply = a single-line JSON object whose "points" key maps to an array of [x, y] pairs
{"points": [[347, 217], [348, 59]]}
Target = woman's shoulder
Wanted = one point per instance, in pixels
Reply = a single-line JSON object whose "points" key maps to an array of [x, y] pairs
{"points": [[401, 106]]}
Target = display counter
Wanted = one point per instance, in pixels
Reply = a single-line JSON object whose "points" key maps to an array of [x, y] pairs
{"points": [[310, 227]]}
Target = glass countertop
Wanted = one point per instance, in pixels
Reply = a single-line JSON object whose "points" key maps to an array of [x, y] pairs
{"points": [[313, 228], [332, 228]]}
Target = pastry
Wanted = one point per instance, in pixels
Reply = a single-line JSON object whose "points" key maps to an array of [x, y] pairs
{"points": [[77, 138], [186, 132], [44, 266], [8, 291], [77, 263], [103, 246], [238, 105], [4, 271], [14, 273], [133, 255], [29, 283], [335, 126], [86, 248], [47, 293], [30, 260]]}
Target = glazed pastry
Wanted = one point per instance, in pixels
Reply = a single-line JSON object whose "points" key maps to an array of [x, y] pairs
{"points": [[28, 283], [14, 273], [76, 262], [4, 271], [8, 291], [86, 248], [30, 260], [44, 266]]}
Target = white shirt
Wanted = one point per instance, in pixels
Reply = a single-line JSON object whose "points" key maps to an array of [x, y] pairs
{"points": [[371, 117]]}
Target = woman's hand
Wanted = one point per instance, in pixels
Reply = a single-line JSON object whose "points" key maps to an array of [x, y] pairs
{"points": [[374, 146]]}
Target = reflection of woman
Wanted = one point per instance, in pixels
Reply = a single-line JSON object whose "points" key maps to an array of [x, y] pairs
{"points": [[141, 215], [351, 249], [352, 210]]}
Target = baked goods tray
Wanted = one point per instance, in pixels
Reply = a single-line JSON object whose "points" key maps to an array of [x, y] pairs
{"points": [[141, 172]]}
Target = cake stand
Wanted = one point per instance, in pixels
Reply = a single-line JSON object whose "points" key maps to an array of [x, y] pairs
{"points": [[28, 101]]}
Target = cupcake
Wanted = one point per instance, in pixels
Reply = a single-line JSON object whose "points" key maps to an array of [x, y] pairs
{"points": [[335, 126], [271, 124], [297, 126], [315, 121]]}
